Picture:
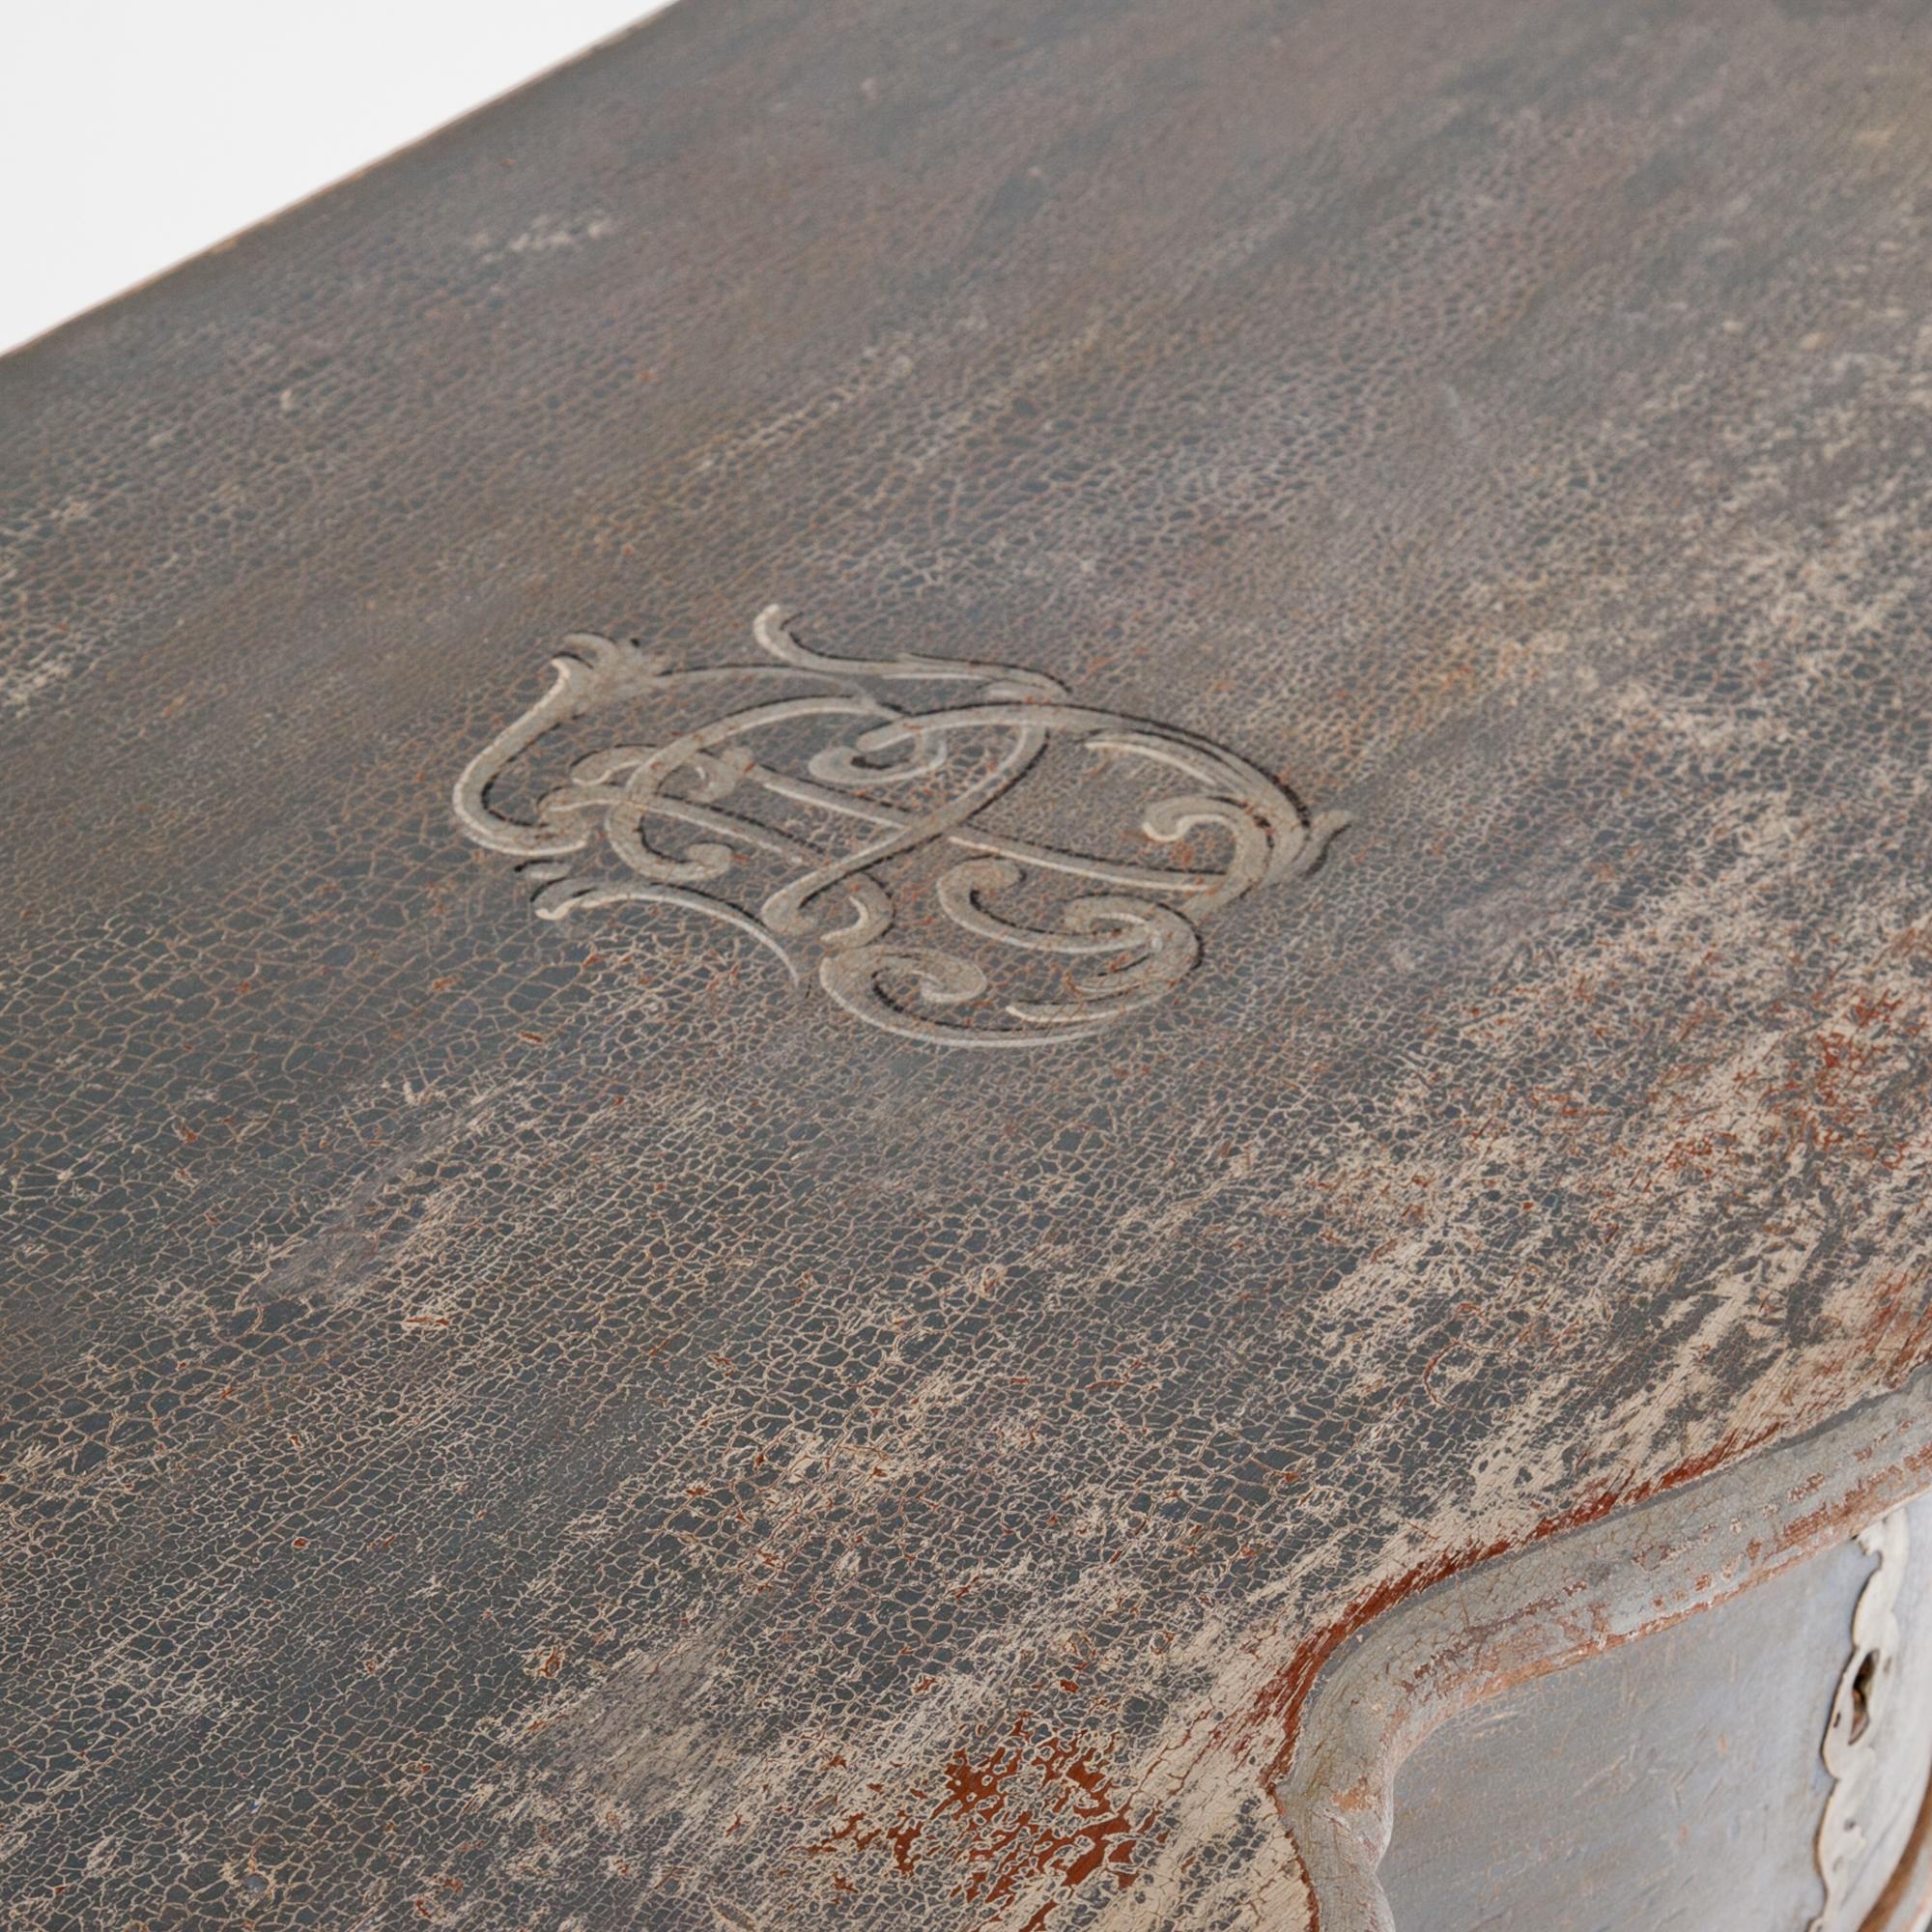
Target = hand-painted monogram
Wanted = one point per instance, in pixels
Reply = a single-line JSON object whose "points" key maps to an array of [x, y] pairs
{"points": [[864, 804]]}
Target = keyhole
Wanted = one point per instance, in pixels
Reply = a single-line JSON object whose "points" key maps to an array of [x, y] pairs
{"points": [[1862, 1680]]}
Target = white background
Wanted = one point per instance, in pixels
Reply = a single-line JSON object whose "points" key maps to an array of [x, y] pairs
{"points": [[134, 134]]}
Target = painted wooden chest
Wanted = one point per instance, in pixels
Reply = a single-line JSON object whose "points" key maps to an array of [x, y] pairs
{"points": [[966, 969]]}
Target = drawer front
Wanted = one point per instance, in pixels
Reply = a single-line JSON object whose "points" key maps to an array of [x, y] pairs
{"points": [[1704, 1778]]}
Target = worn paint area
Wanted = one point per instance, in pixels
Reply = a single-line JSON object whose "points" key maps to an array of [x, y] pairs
{"points": [[1031, 1809]]}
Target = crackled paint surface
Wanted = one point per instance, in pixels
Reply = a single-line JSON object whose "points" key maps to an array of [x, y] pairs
{"points": [[522, 1425]]}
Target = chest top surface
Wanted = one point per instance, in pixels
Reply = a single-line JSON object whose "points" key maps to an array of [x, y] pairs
{"points": [[897, 881]]}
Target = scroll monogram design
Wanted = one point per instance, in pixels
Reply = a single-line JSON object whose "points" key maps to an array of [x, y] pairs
{"points": [[836, 812]]}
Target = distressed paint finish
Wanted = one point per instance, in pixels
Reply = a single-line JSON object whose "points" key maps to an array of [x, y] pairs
{"points": [[515, 1424]]}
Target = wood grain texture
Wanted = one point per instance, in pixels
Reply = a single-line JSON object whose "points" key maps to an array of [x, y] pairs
{"points": [[516, 1424]]}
